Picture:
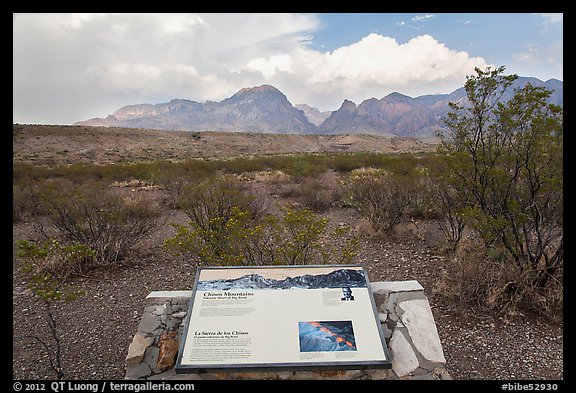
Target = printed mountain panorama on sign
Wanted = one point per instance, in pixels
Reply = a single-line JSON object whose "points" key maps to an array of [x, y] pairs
{"points": [[336, 279]]}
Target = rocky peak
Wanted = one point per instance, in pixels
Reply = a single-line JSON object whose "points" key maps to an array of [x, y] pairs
{"points": [[348, 105], [397, 97]]}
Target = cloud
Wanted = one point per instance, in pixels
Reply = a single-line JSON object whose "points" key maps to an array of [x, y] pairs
{"points": [[422, 18], [375, 66], [70, 67], [269, 67], [551, 55], [552, 17]]}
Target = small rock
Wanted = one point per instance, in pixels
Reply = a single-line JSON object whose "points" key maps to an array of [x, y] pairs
{"points": [[168, 345], [138, 371], [137, 348]]}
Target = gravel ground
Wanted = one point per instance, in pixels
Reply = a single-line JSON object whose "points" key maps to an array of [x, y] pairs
{"points": [[96, 329]]}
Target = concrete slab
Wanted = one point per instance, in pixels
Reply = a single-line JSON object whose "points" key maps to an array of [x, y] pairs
{"points": [[419, 321], [396, 286], [169, 294], [404, 359]]}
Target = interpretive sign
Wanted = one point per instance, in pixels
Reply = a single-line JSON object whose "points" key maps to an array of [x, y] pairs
{"points": [[291, 317]]}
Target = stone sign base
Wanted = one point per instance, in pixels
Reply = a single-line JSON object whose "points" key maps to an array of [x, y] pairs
{"points": [[404, 313]]}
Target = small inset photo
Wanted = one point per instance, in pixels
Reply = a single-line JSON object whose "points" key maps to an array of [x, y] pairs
{"points": [[347, 295], [326, 336]]}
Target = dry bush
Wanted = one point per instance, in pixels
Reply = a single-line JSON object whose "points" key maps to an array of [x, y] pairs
{"points": [[25, 202], [175, 185], [290, 190], [217, 197], [100, 218], [319, 194], [476, 276], [381, 198]]}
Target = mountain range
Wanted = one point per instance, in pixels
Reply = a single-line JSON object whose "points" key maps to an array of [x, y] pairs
{"points": [[336, 279], [265, 109]]}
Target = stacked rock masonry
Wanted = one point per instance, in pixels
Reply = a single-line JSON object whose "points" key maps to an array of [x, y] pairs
{"points": [[404, 313]]}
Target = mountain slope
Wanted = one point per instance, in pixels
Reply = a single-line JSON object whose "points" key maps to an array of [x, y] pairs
{"points": [[264, 109], [313, 114], [258, 109], [399, 115]]}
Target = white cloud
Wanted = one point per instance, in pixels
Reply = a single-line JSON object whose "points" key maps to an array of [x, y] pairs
{"points": [[269, 67], [377, 65], [547, 56], [422, 18], [70, 67], [553, 17]]}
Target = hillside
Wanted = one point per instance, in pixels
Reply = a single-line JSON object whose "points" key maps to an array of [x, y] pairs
{"points": [[53, 144]]}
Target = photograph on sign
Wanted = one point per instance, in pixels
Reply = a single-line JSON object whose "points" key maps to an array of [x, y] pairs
{"points": [[292, 317]]}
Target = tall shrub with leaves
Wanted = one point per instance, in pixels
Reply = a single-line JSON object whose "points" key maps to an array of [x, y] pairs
{"points": [[506, 158]]}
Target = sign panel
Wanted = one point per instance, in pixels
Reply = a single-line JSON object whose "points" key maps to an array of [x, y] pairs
{"points": [[291, 317]]}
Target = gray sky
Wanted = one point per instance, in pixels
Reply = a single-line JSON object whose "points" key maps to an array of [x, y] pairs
{"points": [[72, 67]]}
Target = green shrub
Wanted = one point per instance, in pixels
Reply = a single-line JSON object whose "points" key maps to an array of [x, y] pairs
{"points": [[54, 259], [227, 228], [505, 160]]}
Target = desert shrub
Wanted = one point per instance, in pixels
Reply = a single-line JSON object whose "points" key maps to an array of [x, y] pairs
{"points": [[297, 235], [348, 162], [99, 218], [25, 201], [381, 198], [505, 158], [55, 259], [47, 267], [424, 204], [454, 217], [299, 239], [215, 199], [319, 194], [481, 277], [504, 161], [226, 228], [175, 186]]}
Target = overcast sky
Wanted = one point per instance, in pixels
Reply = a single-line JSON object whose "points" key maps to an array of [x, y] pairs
{"points": [[72, 67]]}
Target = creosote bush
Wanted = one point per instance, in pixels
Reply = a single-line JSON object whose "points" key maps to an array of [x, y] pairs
{"points": [[381, 198], [98, 217], [504, 161], [226, 228]]}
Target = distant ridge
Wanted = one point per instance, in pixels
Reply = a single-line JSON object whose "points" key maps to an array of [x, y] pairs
{"points": [[265, 109]]}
